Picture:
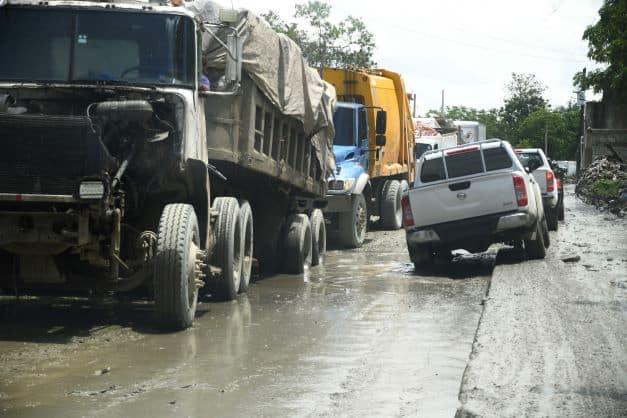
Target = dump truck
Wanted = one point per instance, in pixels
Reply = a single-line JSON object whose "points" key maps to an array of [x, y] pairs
{"points": [[374, 152], [156, 149]]}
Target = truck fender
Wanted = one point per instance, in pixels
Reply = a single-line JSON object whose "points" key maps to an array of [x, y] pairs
{"points": [[361, 183]]}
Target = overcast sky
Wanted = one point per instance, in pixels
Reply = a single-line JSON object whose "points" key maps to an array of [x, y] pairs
{"points": [[469, 48]]}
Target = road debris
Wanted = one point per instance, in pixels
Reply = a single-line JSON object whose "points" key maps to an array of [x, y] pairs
{"points": [[604, 185], [571, 259]]}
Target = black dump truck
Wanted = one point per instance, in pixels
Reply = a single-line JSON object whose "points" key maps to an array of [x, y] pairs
{"points": [[156, 149]]}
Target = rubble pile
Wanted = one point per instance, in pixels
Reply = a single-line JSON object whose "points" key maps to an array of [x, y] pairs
{"points": [[604, 184]]}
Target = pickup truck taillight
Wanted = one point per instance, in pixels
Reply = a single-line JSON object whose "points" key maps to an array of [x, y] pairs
{"points": [[408, 218], [550, 182], [521, 191], [559, 183]]}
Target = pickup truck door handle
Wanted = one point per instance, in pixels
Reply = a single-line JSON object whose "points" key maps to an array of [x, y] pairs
{"points": [[459, 186]]}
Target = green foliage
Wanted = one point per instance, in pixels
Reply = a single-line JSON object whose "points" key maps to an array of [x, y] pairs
{"points": [[606, 188], [524, 96], [607, 44], [346, 44]]}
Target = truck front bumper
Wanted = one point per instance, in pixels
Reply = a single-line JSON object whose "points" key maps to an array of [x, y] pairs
{"points": [[339, 203]]}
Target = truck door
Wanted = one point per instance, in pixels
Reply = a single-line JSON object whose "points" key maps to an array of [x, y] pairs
{"points": [[362, 137]]}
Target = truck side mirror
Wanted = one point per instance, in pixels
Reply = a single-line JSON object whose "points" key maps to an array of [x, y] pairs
{"points": [[380, 140], [382, 118]]}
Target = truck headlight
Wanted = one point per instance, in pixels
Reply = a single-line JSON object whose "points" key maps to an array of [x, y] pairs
{"points": [[348, 184], [91, 190]]}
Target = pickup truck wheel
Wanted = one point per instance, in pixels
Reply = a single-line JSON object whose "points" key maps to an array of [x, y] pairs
{"points": [[551, 218], [391, 214], [421, 256], [545, 234], [246, 222], [535, 248], [560, 211], [227, 254], [177, 267], [353, 224], [318, 237], [297, 244]]}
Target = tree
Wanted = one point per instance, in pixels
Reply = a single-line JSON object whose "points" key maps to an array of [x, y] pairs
{"points": [[607, 44], [324, 44], [561, 128], [524, 96]]}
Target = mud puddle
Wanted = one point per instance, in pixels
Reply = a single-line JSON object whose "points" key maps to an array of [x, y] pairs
{"points": [[362, 334]]}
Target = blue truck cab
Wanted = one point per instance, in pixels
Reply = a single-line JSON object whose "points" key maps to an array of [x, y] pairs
{"points": [[350, 190]]}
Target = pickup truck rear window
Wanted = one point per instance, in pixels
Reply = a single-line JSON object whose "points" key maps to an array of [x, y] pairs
{"points": [[432, 170], [464, 164], [496, 159]]}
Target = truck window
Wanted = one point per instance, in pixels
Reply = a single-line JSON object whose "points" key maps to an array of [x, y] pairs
{"points": [[363, 125], [78, 45], [432, 170], [526, 157], [496, 159], [343, 119], [464, 164], [421, 149]]}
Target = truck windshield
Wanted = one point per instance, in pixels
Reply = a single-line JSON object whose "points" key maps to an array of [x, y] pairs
{"points": [[344, 121], [526, 157], [86, 45]]}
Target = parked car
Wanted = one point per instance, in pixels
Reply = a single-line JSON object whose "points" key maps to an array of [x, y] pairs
{"points": [[470, 197], [560, 175], [535, 161]]}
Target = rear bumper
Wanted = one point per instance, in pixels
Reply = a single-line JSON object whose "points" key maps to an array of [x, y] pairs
{"points": [[498, 226]]}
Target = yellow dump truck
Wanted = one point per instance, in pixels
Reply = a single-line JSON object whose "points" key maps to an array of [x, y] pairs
{"points": [[373, 146]]}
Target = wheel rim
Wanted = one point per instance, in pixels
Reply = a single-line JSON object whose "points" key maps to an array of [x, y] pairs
{"points": [[398, 214], [195, 274], [247, 257], [237, 255], [322, 242], [360, 221]]}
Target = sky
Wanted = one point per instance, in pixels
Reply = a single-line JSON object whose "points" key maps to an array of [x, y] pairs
{"points": [[469, 48]]}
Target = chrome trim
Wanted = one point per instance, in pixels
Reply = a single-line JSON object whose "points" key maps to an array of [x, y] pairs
{"points": [[53, 198]]}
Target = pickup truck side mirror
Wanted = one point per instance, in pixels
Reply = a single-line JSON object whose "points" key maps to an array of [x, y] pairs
{"points": [[381, 140], [382, 118]]}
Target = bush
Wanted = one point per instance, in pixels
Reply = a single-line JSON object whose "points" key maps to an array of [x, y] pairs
{"points": [[606, 188]]}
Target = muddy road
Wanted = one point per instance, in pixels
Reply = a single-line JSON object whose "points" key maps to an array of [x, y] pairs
{"points": [[361, 336]]}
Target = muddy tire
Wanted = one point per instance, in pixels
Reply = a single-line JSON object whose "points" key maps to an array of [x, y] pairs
{"points": [[551, 218], [535, 249], [545, 233], [246, 223], [560, 211], [297, 244], [174, 278], [352, 224], [391, 214], [318, 237], [227, 254], [404, 186], [421, 256]]}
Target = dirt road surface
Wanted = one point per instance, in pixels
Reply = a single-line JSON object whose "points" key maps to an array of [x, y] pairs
{"points": [[361, 336]]}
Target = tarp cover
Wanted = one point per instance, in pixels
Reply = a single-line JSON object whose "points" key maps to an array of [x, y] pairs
{"points": [[276, 65]]}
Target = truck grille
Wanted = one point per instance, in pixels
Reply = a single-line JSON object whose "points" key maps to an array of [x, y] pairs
{"points": [[43, 154]]}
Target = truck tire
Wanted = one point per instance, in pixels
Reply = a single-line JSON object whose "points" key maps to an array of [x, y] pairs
{"points": [[560, 211], [318, 237], [297, 244], [246, 223], [535, 249], [176, 277], [545, 234], [352, 225], [227, 254], [421, 256], [391, 214], [551, 218], [404, 186]]}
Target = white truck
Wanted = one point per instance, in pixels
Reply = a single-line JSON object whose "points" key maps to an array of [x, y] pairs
{"points": [[470, 131], [433, 142], [535, 160], [469, 197]]}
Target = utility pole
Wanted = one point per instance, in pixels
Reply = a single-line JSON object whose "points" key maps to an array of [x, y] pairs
{"points": [[442, 106], [546, 141]]}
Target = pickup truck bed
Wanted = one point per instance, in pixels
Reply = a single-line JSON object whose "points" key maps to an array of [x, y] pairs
{"points": [[470, 197]]}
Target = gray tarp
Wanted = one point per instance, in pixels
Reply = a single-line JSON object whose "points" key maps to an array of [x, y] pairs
{"points": [[276, 65]]}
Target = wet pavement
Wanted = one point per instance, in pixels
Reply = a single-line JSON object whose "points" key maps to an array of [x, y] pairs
{"points": [[362, 335]]}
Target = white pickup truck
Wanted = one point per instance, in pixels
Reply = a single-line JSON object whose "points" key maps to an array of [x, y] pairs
{"points": [[536, 162], [469, 197]]}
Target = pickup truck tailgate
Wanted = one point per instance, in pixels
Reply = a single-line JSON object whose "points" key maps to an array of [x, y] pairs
{"points": [[460, 199]]}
